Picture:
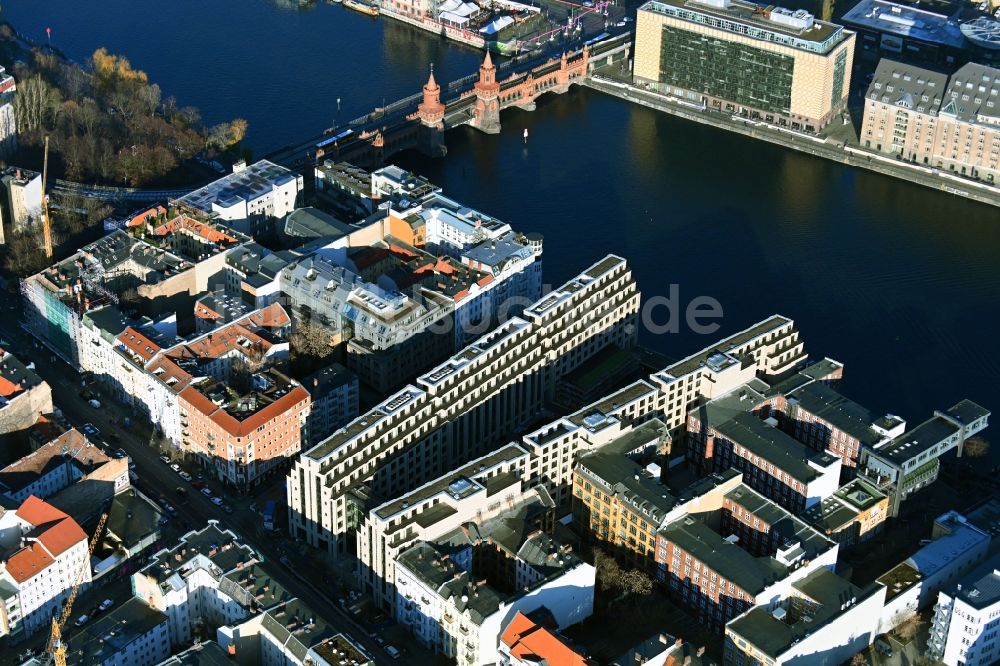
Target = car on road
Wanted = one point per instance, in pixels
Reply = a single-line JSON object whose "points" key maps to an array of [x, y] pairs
{"points": [[392, 651], [90, 430], [96, 404], [165, 459], [181, 491], [170, 509], [206, 492], [120, 453], [131, 465], [227, 508], [175, 467], [217, 501], [82, 620], [105, 605], [185, 476]]}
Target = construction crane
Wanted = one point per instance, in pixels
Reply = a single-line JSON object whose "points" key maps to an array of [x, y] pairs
{"points": [[57, 647], [46, 226]]}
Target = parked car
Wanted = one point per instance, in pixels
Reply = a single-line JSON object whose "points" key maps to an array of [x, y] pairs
{"points": [[90, 430], [105, 605], [184, 475], [120, 453], [206, 492], [175, 467], [883, 646], [96, 404], [165, 459], [217, 501], [392, 651], [198, 484], [82, 620]]}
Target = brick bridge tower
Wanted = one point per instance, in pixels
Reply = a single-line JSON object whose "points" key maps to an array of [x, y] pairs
{"points": [[431, 115], [486, 114]]}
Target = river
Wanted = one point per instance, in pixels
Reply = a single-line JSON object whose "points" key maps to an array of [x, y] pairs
{"points": [[900, 283]]}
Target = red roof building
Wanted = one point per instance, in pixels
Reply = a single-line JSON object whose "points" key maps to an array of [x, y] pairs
{"points": [[526, 643]]}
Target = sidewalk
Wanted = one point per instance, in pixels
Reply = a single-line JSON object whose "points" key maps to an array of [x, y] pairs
{"points": [[838, 149]]}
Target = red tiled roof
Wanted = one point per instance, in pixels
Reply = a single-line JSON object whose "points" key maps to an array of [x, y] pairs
{"points": [[528, 640], [234, 426], [139, 344], [55, 533], [273, 316], [28, 562], [206, 231], [8, 389]]}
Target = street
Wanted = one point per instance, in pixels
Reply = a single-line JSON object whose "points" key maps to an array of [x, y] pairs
{"points": [[158, 480]]}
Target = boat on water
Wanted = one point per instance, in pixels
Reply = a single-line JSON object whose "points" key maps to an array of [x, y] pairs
{"points": [[362, 7]]}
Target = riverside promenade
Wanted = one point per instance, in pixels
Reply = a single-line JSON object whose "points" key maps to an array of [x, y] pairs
{"points": [[840, 146]]}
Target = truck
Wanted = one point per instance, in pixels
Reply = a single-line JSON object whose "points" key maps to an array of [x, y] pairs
{"points": [[269, 510]]}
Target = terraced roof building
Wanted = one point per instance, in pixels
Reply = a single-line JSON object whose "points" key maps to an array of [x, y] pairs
{"points": [[461, 409]]}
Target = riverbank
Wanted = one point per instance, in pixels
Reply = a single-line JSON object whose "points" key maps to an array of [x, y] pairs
{"points": [[833, 149]]}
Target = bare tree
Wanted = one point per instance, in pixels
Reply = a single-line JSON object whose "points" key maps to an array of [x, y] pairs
{"points": [[310, 340], [611, 577], [909, 628], [24, 252], [35, 104]]}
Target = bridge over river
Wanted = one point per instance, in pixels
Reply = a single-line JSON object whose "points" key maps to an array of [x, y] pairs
{"points": [[419, 121]]}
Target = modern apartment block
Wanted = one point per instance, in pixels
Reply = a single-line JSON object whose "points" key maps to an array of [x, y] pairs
{"points": [[728, 549], [463, 407], [617, 502], [248, 198], [739, 57], [46, 553], [964, 629], [922, 116], [335, 397], [911, 461], [772, 462], [457, 592], [822, 619]]}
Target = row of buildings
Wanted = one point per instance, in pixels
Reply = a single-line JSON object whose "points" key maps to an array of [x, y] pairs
{"points": [[789, 69], [396, 293]]}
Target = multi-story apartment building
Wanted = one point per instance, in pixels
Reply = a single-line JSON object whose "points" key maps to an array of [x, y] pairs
{"points": [[477, 491], [966, 619], [798, 68], [24, 397], [175, 260], [922, 116], [20, 194], [207, 579], [820, 417], [335, 398], [911, 461], [855, 513], [53, 466], [8, 122], [253, 274], [249, 198], [243, 435], [457, 592], [767, 349], [46, 555], [462, 408], [901, 111], [617, 502], [764, 551], [822, 619], [132, 634], [773, 463]]}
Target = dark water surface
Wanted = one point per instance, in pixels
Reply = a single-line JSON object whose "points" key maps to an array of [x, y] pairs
{"points": [[899, 282]]}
